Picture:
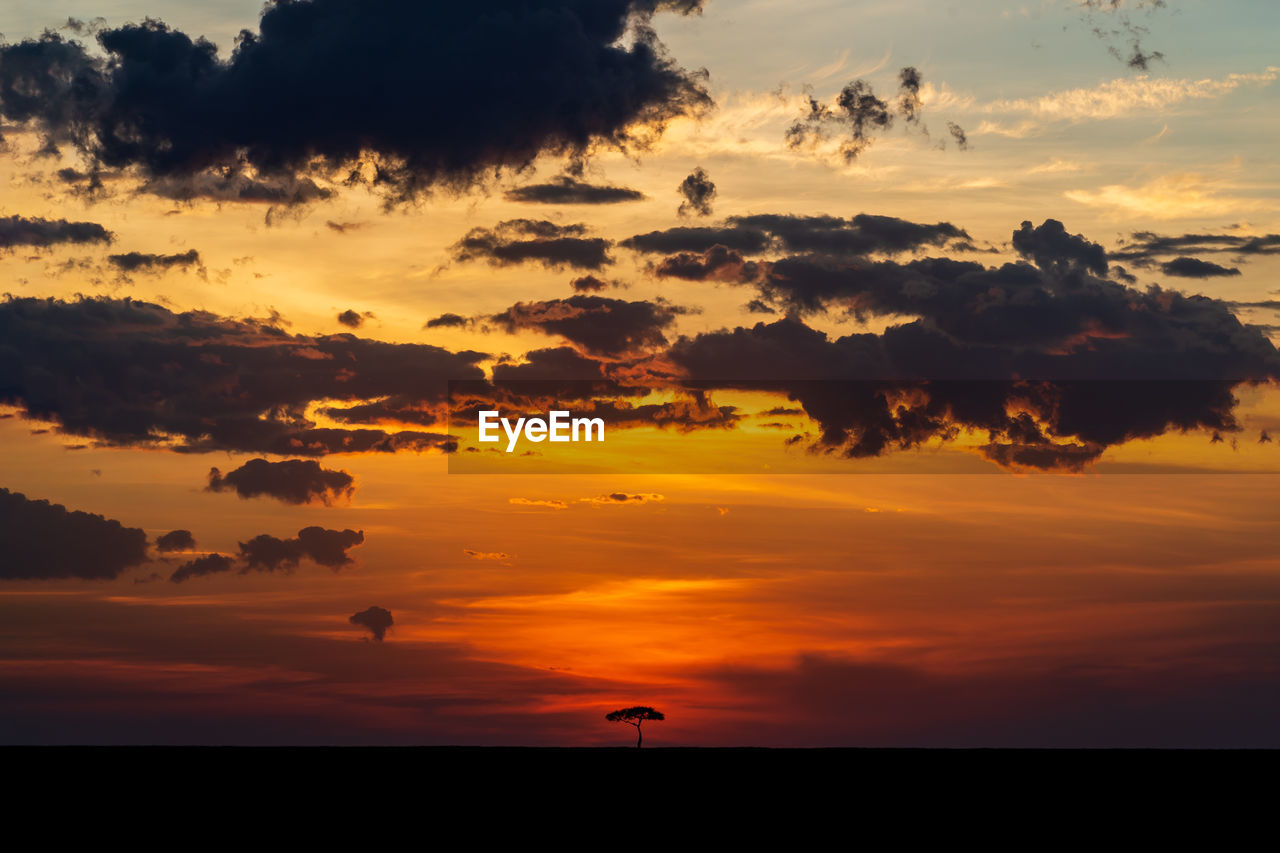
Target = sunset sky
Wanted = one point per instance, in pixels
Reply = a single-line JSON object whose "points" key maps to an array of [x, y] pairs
{"points": [[936, 344]]}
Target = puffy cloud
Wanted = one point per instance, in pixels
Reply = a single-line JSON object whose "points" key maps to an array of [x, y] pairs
{"points": [[293, 481], [266, 553], [445, 321], [566, 189], [376, 619], [354, 90], [175, 540], [208, 564], [40, 540], [125, 372], [1054, 363], [600, 325], [518, 241], [698, 191], [716, 264], [1053, 249]]}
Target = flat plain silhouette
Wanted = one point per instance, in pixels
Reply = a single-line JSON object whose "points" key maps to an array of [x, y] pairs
{"points": [[634, 717]]}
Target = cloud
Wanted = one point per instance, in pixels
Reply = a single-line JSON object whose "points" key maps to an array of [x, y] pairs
{"points": [[698, 239], [293, 481], [861, 234], [354, 91], [376, 619], [1184, 267], [351, 319], [858, 114], [624, 499], [544, 504], [234, 184], [131, 262], [40, 540], [1052, 362], [266, 553], [598, 324], [566, 189], [129, 373], [483, 556], [517, 241], [175, 540], [1143, 246], [445, 321], [209, 564], [715, 264], [590, 284], [44, 233], [698, 192], [1054, 250]]}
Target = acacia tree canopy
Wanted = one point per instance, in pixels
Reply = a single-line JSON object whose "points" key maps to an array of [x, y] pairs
{"points": [[635, 717]]}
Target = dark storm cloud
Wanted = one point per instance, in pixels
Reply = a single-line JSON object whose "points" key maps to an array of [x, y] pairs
{"points": [[209, 564], [126, 373], [517, 241], [355, 90], [1054, 250], [376, 619], [1054, 363], [131, 262], [698, 191], [266, 553], [40, 540], [598, 324], [43, 233], [293, 481], [566, 189], [1184, 267], [175, 540], [861, 234]]}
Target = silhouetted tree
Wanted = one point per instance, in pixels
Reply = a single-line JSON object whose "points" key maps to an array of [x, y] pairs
{"points": [[634, 717]]}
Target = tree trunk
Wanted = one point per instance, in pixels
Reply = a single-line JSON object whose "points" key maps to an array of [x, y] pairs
{"points": [[639, 736]]}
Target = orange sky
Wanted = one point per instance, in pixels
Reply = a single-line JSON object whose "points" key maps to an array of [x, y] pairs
{"points": [[756, 593]]}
